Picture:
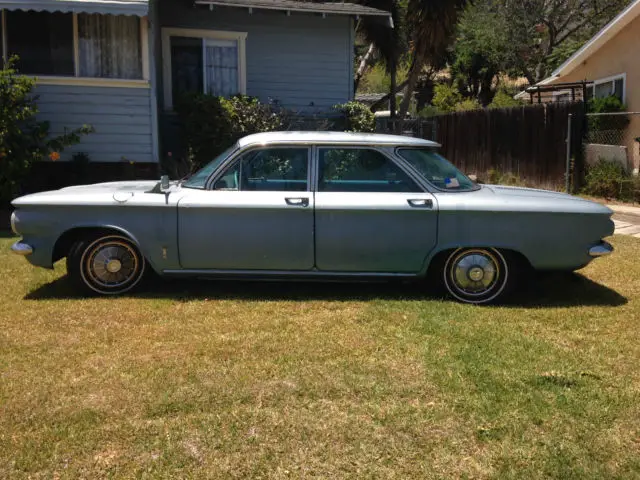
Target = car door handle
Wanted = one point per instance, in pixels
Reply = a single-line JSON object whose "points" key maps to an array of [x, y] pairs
{"points": [[420, 203], [297, 202]]}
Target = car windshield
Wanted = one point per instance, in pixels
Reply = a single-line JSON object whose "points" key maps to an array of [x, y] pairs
{"points": [[437, 170], [199, 179]]}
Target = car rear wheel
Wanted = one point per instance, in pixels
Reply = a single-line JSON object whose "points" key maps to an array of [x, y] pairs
{"points": [[106, 264], [477, 275]]}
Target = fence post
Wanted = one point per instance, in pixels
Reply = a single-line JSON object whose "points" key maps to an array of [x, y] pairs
{"points": [[568, 166]]}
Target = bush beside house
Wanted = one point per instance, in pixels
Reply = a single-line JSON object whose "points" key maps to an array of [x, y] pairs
{"points": [[23, 139], [209, 125]]}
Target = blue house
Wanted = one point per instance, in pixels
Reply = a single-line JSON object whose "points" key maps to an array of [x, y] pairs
{"points": [[118, 65]]}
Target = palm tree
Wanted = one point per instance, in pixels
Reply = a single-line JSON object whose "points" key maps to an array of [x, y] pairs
{"points": [[432, 25]]}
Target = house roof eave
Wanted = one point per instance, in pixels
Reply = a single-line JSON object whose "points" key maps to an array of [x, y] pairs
{"points": [[138, 8], [327, 7]]}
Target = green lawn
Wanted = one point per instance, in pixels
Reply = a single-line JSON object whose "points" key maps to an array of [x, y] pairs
{"points": [[309, 380]]}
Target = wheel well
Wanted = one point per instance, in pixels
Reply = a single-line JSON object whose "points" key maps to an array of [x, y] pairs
{"points": [[437, 262], [70, 237]]}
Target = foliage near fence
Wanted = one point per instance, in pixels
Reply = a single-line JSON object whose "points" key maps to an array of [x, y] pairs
{"points": [[529, 141]]}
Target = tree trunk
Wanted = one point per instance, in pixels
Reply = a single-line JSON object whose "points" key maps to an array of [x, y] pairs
{"points": [[412, 80], [387, 97], [364, 62], [393, 107]]}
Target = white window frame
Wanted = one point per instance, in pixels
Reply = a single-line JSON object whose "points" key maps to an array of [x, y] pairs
{"points": [[167, 33], [612, 79], [77, 80]]}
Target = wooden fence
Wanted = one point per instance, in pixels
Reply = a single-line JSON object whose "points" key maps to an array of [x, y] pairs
{"points": [[529, 142]]}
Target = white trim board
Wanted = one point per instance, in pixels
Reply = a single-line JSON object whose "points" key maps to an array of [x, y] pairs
{"points": [[167, 76]]}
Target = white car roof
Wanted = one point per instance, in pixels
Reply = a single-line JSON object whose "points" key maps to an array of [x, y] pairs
{"points": [[335, 138]]}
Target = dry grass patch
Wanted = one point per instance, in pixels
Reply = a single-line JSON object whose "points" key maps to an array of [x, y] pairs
{"points": [[332, 381]]}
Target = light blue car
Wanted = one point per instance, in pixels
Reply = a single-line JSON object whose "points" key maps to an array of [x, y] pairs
{"points": [[313, 205]]}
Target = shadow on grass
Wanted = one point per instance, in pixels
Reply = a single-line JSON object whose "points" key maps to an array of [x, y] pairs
{"points": [[544, 290]]}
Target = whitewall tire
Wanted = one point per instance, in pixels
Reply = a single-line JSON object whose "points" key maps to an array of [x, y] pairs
{"points": [[106, 264], [476, 275]]}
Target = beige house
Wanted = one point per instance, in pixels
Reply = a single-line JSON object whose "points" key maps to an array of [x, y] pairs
{"points": [[611, 60]]}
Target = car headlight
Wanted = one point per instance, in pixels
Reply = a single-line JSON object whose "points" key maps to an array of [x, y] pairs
{"points": [[13, 223]]}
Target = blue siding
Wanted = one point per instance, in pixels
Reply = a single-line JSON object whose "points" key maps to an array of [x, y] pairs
{"points": [[303, 60], [120, 116]]}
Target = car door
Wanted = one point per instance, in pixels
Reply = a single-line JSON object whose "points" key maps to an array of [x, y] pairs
{"points": [[257, 216], [371, 216]]}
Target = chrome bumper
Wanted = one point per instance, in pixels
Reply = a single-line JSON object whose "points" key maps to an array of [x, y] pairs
{"points": [[601, 250], [23, 249]]}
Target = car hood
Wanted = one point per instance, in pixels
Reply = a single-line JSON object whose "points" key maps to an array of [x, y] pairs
{"points": [[503, 198], [87, 193]]}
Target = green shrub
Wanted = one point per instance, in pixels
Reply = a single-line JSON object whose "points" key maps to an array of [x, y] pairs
{"points": [[606, 179], [468, 105], [609, 104], [23, 139], [429, 111], [357, 117], [503, 99], [446, 97], [210, 124]]}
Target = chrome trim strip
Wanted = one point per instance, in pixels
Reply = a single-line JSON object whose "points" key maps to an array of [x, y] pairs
{"points": [[601, 250], [23, 249], [287, 273]]}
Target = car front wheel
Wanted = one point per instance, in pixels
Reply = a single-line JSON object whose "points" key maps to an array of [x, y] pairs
{"points": [[477, 275], [106, 264]]}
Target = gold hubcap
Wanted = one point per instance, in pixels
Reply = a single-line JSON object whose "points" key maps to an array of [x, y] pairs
{"points": [[114, 266], [476, 274]]}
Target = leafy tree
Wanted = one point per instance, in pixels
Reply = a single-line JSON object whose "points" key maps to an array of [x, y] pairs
{"points": [[481, 51], [541, 34]]}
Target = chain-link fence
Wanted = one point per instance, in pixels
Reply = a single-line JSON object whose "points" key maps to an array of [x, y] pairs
{"points": [[614, 137]]}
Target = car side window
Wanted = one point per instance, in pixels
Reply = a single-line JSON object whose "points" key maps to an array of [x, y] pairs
{"points": [[361, 170], [268, 170]]}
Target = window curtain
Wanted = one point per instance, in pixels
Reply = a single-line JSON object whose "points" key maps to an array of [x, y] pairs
{"points": [[109, 46], [221, 67]]}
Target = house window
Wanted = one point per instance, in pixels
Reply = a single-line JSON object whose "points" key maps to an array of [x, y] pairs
{"points": [[203, 61], [87, 46], [612, 86], [109, 46], [43, 42], [562, 97]]}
